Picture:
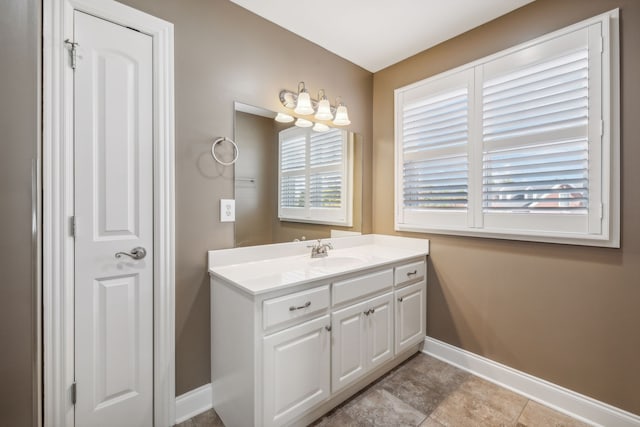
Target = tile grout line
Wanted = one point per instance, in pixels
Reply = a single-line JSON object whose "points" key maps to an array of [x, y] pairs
{"points": [[522, 411]]}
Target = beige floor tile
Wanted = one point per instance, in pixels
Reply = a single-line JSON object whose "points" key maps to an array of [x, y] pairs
{"points": [[535, 415], [480, 403], [423, 382], [431, 422], [378, 407]]}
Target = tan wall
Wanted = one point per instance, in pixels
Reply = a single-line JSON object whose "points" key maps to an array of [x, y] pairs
{"points": [[567, 314], [224, 54], [19, 136], [255, 201]]}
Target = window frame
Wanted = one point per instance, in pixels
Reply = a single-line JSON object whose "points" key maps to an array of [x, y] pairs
{"points": [[609, 165], [342, 216]]}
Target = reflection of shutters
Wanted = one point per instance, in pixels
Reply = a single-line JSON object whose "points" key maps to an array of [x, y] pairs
{"points": [[325, 161], [314, 176], [535, 132], [292, 191], [293, 154]]}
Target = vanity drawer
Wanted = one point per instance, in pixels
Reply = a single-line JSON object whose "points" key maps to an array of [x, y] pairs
{"points": [[300, 305], [351, 289], [410, 272]]}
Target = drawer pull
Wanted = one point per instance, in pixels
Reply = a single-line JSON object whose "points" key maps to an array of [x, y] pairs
{"points": [[401, 299], [412, 273], [294, 308]]}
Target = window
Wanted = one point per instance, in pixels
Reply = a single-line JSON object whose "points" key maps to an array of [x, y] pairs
{"points": [[315, 176], [522, 144]]}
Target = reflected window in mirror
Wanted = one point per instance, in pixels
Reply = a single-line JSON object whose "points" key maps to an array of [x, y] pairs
{"points": [[315, 176]]}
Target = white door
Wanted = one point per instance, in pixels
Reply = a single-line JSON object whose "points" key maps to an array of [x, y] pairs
{"points": [[349, 345], [296, 370], [380, 330], [411, 315], [114, 213]]}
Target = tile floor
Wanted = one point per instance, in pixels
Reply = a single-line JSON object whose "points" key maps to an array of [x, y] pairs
{"points": [[426, 392]]}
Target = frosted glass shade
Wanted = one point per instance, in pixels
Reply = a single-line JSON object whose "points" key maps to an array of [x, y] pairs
{"points": [[320, 127], [324, 110], [303, 123], [342, 116], [304, 106], [283, 118]]}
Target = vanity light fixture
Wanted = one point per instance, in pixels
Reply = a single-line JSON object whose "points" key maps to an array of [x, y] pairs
{"points": [[302, 103], [342, 115], [320, 127], [284, 118], [324, 108], [303, 123]]}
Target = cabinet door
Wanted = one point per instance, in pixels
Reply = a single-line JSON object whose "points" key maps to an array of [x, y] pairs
{"points": [[411, 315], [296, 370], [348, 350], [379, 330]]}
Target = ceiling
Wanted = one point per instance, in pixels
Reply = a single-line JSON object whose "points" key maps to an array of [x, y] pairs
{"points": [[377, 33]]}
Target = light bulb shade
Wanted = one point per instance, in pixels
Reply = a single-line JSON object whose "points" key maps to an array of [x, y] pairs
{"points": [[283, 118], [303, 105], [342, 116], [324, 110], [320, 127], [303, 123]]}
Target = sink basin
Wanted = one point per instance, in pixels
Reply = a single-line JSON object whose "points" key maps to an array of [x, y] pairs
{"points": [[335, 262]]}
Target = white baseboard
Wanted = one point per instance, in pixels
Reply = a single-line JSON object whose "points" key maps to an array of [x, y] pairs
{"points": [[561, 399], [193, 402]]}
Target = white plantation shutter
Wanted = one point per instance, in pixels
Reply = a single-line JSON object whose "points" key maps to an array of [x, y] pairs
{"points": [[433, 156], [315, 175], [535, 134], [520, 144]]}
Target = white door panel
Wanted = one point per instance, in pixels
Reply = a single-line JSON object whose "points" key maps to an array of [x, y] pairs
{"points": [[349, 335], [114, 213], [296, 370]]}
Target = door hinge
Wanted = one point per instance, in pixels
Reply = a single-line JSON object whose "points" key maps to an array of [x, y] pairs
{"points": [[72, 226], [72, 52], [74, 393]]}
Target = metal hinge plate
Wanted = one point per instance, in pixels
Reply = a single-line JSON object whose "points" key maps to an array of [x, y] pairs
{"points": [[72, 52], [74, 393]]}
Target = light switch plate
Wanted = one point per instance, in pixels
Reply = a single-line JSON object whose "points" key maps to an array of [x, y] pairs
{"points": [[227, 210]]}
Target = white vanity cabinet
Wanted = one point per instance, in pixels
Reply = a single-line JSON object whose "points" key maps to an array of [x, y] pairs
{"points": [[285, 353]]}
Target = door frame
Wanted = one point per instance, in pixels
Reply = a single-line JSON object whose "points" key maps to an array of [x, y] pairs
{"points": [[58, 202]]}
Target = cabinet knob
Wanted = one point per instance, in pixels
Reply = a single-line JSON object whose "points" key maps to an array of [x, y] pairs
{"points": [[370, 311], [328, 328], [401, 299]]}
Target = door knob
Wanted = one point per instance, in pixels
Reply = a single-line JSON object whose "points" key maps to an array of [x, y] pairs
{"points": [[136, 253]]}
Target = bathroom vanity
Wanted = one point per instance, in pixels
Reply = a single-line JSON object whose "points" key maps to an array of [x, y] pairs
{"points": [[293, 336]]}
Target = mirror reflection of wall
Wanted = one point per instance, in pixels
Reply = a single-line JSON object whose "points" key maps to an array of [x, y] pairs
{"points": [[256, 184]]}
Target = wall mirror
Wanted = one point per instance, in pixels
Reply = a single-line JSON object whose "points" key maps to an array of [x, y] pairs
{"points": [[277, 200]]}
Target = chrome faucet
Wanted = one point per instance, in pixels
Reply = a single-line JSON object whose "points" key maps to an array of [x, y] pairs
{"points": [[319, 249]]}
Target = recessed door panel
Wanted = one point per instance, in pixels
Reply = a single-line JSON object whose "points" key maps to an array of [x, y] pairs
{"points": [[116, 318], [116, 143]]}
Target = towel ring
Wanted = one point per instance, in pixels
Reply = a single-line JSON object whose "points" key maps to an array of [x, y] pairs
{"points": [[235, 150]]}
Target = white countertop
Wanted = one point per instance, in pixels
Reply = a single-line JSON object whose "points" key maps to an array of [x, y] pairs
{"points": [[267, 268]]}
